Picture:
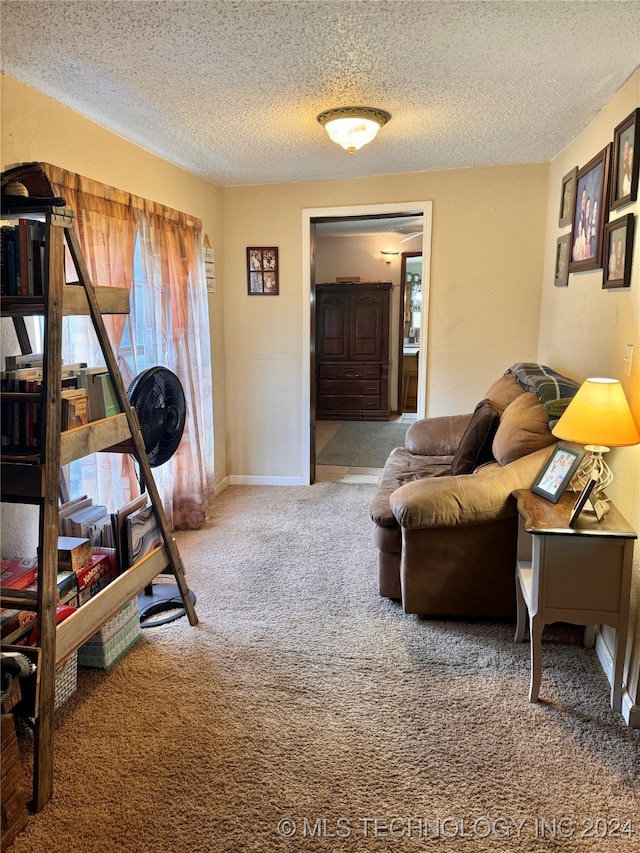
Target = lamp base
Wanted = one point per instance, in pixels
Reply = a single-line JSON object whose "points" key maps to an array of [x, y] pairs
{"points": [[593, 467]]}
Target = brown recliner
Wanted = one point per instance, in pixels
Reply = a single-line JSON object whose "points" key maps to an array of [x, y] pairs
{"points": [[447, 541]]}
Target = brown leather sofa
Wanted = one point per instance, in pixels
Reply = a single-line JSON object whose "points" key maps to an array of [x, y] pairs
{"points": [[445, 521]]}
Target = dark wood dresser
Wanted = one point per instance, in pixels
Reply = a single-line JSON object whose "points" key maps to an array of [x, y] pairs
{"points": [[352, 351]]}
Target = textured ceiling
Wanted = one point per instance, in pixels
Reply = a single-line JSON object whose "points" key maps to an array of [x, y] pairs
{"points": [[231, 90]]}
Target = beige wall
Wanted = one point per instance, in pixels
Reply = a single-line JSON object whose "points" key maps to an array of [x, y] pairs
{"points": [[584, 329], [492, 299], [34, 127], [484, 306]]}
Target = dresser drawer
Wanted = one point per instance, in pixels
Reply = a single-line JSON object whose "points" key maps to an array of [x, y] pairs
{"points": [[349, 387], [349, 371]]}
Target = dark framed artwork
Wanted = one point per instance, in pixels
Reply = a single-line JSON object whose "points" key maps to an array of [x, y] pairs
{"points": [[626, 160], [590, 206], [567, 196], [561, 274], [557, 472], [262, 270], [618, 252]]}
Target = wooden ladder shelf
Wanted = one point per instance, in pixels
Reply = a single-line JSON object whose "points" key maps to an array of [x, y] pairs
{"points": [[36, 480]]}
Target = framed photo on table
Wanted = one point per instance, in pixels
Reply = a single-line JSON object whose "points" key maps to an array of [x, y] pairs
{"points": [[618, 252], [557, 472], [626, 160], [262, 270], [589, 209], [581, 502]]}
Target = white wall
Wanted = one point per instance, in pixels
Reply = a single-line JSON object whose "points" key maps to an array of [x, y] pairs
{"points": [[584, 330]]}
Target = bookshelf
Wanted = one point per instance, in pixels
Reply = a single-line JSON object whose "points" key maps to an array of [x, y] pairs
{"points": [[32, 475]]}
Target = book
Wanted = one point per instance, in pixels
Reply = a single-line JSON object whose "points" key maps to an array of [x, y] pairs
{"points": [[120, 528], [75, 408], [105, 393], [25, 251], [73, 552], [86, 377], [67, 509], [83, 521], [143, 534]]}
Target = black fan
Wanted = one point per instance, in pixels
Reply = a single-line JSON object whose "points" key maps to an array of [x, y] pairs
{"points": [[158, 399]]}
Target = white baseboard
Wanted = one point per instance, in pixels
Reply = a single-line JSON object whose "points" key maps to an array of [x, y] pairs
{"points": [[218, 488], [630, 710], [250, 480]]}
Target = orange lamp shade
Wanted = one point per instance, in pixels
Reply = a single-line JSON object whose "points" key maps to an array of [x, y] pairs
{"points": [[598, 414]]}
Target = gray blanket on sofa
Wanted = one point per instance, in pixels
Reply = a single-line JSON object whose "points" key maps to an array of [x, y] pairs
{"points": [[554, 390]]}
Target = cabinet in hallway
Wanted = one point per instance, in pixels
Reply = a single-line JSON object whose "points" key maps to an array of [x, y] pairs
{"points": [[352, 351]]}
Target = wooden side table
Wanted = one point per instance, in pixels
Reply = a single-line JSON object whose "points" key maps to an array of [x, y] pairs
{"points": [[579, 574]]}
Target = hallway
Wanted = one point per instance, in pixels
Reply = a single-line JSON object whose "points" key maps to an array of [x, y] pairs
{"points": [[325, 430]]}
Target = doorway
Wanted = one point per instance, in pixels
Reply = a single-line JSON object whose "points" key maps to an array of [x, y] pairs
{"points": [[309, 218], [409, 331]]}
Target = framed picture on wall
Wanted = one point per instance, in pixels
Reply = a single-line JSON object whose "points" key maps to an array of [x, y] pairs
{"points": [[262, 270], [626, 160], [567, 196], [590, 205], [561, 274], [618, 252]]}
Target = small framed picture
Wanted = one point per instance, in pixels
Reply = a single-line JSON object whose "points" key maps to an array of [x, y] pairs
{"points": [[626, 160], [618, 252], [567, 196], [589, 208], [561, 274], [262, 270], [557, 472], [580, 504]]}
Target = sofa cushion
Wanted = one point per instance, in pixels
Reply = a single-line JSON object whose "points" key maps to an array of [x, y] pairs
{"points": [[436, 436], [523, 429], [478, 498], [504, 391], [402, 467], [475, 445]]}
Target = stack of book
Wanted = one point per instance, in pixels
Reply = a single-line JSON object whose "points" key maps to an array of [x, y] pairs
{"points": [[21, 418], [22, 252], [102, 401]]}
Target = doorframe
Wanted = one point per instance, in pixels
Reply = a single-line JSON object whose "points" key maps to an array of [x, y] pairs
{"points": [[424, 208], [403, 300]]}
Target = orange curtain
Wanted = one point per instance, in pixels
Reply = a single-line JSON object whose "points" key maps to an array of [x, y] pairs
{"points": [[156, 253]]}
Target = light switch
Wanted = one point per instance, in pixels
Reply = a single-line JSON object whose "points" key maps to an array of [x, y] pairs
{"points": [[628, 359]]}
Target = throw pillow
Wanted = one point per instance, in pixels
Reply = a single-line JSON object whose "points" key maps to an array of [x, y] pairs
{"points": [[524, 428], [504, 391], [475, 445]]}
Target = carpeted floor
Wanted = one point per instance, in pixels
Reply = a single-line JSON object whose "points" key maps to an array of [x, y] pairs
{"points": [[363, 444], [304, 708]]}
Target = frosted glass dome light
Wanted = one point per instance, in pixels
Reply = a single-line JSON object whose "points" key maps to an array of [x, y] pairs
{"points": [[353, 127]]}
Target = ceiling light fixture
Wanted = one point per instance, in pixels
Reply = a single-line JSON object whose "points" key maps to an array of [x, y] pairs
{"points": [[353, 127]]}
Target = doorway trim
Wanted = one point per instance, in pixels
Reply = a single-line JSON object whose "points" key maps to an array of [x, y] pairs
{"points": [[308, 214]]}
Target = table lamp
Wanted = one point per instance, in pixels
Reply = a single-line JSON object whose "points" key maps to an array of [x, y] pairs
{"points": [[598, 417]]}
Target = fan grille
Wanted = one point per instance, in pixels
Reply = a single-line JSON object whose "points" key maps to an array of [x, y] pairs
{"points": [[158, 398]]}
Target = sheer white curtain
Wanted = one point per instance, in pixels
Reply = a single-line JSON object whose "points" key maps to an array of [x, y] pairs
{"points": [[155, 252]]}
